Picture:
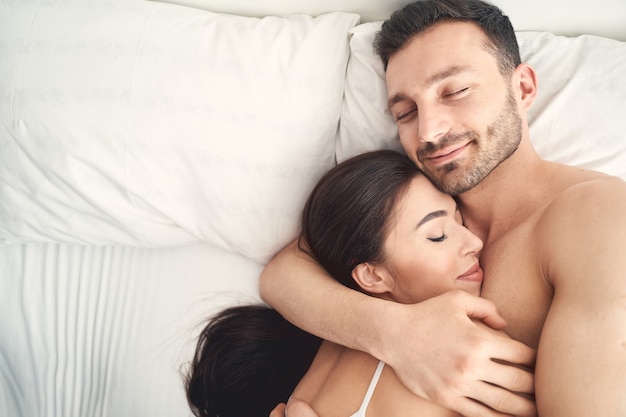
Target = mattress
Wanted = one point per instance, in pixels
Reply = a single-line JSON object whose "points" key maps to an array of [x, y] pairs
{"points": [[107, 330]]}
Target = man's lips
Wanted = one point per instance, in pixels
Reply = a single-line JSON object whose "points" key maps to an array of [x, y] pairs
{"points": [[475, 273], [447, 154]]}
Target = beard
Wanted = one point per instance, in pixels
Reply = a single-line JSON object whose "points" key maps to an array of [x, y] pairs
{"points": [[501, 141]]}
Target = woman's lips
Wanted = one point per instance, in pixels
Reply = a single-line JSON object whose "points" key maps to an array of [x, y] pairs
{"points": [[475, 273]]}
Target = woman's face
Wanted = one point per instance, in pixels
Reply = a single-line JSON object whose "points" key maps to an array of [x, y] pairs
{"points": [[428, 251]]}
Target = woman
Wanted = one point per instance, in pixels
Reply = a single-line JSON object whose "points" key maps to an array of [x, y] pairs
{"points": [[379, 226]]}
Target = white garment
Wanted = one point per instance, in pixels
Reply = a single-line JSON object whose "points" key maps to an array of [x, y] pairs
{"points": [[370, 391]]}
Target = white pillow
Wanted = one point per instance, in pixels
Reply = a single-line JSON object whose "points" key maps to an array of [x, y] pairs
{"points": [[578, 117], [369, 10], [155, 124], [366, 123]]}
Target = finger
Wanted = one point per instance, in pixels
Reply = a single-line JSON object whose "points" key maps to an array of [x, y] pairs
{"points": [[480, 308], [470, 408], [510, 377], [504, 401], [516, 352], [278, 411], [298, 408]]}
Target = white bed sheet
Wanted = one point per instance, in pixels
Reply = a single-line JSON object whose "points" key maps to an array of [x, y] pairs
{"points": [[106, 331]]}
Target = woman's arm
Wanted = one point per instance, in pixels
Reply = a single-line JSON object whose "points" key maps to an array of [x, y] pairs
{"points": [[434, 347]]}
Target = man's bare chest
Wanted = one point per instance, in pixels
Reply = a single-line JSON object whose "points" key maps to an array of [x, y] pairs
{"points": [[514, 281]]}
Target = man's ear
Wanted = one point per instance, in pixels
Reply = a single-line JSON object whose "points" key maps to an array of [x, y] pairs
{"points": [[525, 80], [373, 279]]}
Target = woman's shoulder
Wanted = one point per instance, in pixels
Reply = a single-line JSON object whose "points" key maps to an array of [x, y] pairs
{"points": [[337, 380]]}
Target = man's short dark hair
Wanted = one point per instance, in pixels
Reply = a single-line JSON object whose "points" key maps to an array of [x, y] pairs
{"points": [[408, 22]]}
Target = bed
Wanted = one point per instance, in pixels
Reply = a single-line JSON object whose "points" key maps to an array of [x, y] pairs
{"points": [[155, 155]]}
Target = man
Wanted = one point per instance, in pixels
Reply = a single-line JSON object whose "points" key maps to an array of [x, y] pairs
{"points": [[554, 244]]}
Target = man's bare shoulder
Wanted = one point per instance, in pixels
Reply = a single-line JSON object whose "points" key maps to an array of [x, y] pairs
{"points": [[570, 185], [585, 192], [580, 222]]}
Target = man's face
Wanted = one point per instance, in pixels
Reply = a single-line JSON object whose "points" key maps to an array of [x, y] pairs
{"points": [[457, 116]]}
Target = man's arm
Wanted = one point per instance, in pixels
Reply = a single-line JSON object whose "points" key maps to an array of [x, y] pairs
{"points": [[581, 365], [434, 347]]}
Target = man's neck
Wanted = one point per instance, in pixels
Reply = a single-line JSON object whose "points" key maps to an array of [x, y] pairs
{"points": [[508, 195]]}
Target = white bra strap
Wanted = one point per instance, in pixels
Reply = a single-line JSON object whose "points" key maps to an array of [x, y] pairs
{"points": [[370, 389]]}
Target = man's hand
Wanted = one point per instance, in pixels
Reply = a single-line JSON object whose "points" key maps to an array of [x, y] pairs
{"points": [[436, 349], [449, 359]]}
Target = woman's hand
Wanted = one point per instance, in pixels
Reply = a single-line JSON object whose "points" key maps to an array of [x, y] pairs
{"points": [[294, 408]]}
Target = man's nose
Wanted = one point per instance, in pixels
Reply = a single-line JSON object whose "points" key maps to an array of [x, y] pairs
{"points": [[433, 123]]}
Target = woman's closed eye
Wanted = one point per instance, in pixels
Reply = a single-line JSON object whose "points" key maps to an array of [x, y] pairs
{"points": [[438, 239]]}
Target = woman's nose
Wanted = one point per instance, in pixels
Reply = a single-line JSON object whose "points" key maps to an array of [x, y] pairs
{"points": [[473, 244]]}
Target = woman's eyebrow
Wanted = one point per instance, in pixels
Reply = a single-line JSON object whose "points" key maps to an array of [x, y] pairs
{"points": [[431, 216]]}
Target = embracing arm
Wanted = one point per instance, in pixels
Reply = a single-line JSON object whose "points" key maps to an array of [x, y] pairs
{"points": [[581, 360], [444, 356]]}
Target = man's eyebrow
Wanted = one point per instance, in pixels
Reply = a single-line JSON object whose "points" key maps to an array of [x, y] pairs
{"points": [[431, 216], [447, 73], [440, 76], [395, 99]]}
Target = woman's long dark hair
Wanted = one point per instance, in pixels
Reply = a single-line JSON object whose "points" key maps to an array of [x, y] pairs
{"points": [[249, 358], [344, 221]]}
